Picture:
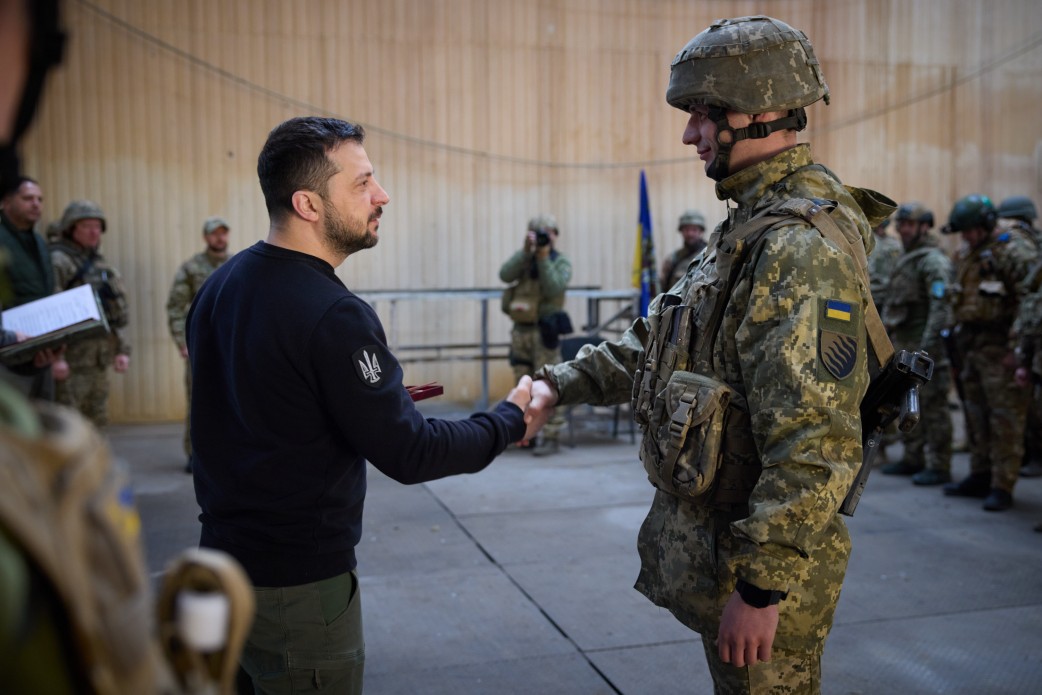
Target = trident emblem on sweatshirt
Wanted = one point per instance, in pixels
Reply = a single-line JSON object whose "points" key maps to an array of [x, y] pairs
{"points": [[370, 368]]}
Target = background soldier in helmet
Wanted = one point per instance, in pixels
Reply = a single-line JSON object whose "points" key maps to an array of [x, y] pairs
{"points": [[538, 275], [1018, 212], [881, 261], [189, 278], [747, 376], [77, 261], [691, 227], [990, 267], [915, 313]]}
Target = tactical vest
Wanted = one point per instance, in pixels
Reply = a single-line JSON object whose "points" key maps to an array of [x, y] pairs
{"points": [[698, 441]]}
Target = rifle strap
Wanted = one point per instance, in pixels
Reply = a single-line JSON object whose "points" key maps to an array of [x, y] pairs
{"points": [[80, 272]]}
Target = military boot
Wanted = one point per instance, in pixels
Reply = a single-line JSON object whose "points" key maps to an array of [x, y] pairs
{"points": [[902, 467], [931, 476], [973, 485], [998, 500]]}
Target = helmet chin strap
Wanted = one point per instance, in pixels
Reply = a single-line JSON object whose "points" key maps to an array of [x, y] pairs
{"points": [[727, 136]]}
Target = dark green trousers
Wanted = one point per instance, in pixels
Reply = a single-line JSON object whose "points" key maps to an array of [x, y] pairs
{"points": [[306, 638]]}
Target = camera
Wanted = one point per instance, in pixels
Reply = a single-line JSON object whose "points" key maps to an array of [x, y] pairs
{"points": [[542, 237]]}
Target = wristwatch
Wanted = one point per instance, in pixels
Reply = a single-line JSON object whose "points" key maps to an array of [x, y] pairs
{"points": [[757, 597]]}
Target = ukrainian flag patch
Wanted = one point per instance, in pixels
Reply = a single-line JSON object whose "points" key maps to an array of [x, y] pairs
{"points": [[835, 309]]}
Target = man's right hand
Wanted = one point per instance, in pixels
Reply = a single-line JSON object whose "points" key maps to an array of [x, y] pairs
{"points": [[184, 351]]}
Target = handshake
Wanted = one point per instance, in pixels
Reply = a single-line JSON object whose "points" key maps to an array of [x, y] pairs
{"points": [[537, 400]]}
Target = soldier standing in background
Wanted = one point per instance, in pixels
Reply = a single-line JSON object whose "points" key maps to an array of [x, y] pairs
{"points": [[990, 268], [881, 261], [538, 275], [915, 313], [187, 281], [691, 226], [77, 261], [747, 376], [1019, 213]]}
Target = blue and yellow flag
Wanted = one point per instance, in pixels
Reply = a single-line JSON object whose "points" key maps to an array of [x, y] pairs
{"points": [[644, 255]]}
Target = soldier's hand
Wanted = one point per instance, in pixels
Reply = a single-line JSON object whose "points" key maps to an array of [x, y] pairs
{"points": [[1022, 377], [544, 398], [746, 633], [530, 244], [121, 363], [184, 351], [60, 370]]}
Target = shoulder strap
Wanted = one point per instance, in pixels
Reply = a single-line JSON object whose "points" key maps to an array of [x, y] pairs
{"points": [[734, 247], [80, 272]]}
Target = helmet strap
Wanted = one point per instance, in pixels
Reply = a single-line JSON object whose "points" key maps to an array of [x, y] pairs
{"points": [[727, 136]]}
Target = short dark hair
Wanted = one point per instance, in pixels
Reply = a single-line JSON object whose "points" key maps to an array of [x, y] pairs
{"points": [[295, 157], [14, 184]]}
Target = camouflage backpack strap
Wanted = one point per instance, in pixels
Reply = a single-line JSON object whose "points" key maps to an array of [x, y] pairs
{"points": [[817, 213]]}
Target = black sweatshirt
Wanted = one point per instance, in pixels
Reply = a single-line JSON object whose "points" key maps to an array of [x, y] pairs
{"points": [[293, 389]]}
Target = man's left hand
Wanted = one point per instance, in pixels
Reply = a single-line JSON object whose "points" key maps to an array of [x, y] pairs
{"points": [[746, 633], [121, 363]]}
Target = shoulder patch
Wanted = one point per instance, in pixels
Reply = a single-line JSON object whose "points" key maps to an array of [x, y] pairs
{"points": [[937, 289], [367, 365], [1004, 237], [838, 353]]}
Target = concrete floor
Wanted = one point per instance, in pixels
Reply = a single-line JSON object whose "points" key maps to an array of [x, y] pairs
{"points": [[519, 579]]}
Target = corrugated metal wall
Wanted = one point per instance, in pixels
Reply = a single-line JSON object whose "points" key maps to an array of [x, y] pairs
{"points": [[482, 113]]}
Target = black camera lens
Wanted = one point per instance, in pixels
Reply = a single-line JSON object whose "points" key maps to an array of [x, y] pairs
{"points": [[542, 238]]}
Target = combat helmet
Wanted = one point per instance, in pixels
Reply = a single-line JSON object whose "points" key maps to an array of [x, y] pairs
{"points": [[970, 212], [691, 217], [542, 222], [81, 210], [1018, 207], [752, 65], [914, 212]]}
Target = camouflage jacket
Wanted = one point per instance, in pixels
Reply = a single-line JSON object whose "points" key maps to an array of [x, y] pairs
{"points": [[881, 264], [988, 287], [917, 309], [544, 280], [675, 266], [67, 258], [187, 281], [805, 421]]}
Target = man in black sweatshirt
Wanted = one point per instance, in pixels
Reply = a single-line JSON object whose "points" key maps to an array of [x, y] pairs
{"points": [[295, 390]]}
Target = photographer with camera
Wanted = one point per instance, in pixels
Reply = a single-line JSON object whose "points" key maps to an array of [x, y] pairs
{"points": [[77, 261], [538, 275]]}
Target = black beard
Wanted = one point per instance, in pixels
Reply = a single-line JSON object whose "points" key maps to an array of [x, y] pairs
{"points": [[344, 238]]}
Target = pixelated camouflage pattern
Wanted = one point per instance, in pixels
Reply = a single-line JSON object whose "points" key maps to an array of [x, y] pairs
{"points": [[187, 282], [1028, 232], [805, 423], [990, 281], [881, 262], [89, 358], [748, 64]]}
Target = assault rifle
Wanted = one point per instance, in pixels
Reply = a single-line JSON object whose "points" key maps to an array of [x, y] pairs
{"points": [[955, 359], [893, 395]]}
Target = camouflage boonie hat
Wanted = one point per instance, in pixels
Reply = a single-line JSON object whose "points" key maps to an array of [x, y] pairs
{"points": [[542, 222], [914, 212], [747, 64], [213, 223], [82, 210], [691, 217]]}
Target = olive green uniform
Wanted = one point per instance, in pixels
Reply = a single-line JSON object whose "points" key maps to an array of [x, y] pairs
{"points": [[985, 301], [915, 313], [881, 263], [187, 281], [537, 291], [675, 267], [798, 434], [87, 388]]}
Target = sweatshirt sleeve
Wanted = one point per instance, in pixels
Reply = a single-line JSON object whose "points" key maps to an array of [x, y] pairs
{"points": [[361, 384]]}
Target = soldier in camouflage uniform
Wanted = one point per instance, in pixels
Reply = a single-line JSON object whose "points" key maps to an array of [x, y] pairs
{"points": [[77, 261], [538, 275], [1019, 213], [915, 313], [187, 281], [881, 262], [990, 267], [747, 376], [691, 226]]}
